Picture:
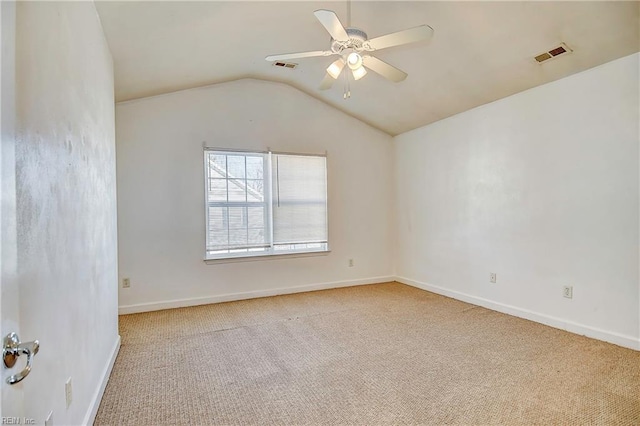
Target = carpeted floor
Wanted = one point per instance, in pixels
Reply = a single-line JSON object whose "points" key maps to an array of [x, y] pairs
{"points": [[369, 355]]}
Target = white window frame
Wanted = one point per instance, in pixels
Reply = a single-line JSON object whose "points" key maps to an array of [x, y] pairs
{"points": [[271, 250]]}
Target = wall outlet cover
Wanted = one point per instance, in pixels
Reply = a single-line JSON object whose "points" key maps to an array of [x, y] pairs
{"points": [[567, 291]]}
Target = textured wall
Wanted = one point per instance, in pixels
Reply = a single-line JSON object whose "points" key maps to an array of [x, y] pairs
{"points": [[161, 191], [9, 309], [66, 203], [541, 188]]}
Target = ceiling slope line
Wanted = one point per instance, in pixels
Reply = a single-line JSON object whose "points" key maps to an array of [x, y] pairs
{"points": [[258, 78]]}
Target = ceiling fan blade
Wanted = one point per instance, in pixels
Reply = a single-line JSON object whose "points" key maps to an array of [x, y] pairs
{"points": [[412, 35], [299, 55], [384, 69], [327, 82], [330, 21]]}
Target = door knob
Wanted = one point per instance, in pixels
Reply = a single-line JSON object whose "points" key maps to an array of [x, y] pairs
{"points": [[12, 348]]}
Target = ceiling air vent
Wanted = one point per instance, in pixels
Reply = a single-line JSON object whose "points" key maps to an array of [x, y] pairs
{"points": [[284, 64], [553, 53]]}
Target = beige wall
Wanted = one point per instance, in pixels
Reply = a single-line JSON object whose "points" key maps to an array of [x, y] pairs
{"points": [[66, 205], [161, 193], [541, 188]]}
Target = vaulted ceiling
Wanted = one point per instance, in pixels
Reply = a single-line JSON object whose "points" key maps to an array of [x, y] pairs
{"points": [[480, 52]]}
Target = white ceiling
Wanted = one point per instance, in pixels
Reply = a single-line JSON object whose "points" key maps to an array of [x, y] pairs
{"points": [[481, 51]]}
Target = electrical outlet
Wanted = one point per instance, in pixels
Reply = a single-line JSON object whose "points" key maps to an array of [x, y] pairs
{"points": [[67, 391], [567, 291], [126, 283], [493, 277], [49, 420], [350, 263]]}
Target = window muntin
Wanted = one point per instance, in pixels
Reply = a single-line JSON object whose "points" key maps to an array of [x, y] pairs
{"points": [[264, 203]]}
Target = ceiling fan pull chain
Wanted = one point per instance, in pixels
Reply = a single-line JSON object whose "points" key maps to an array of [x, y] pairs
{"points": [[344, 87], [347, 89]]}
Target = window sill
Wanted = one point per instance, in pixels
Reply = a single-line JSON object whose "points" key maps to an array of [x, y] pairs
{"points": [[270, 256]]}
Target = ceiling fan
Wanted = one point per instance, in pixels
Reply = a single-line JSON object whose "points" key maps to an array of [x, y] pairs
{"points": [[354, 48]]}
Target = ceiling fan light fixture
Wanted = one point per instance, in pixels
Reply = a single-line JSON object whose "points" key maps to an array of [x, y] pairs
{"points": [[358, 73], [354, 48], [354, 60], [335, 68]]}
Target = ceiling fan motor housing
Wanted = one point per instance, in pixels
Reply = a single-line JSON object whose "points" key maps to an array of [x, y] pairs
{"points": [[357, 38]]}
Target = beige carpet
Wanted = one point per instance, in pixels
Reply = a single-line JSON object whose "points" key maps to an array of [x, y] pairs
{"points": [[369, 355]]}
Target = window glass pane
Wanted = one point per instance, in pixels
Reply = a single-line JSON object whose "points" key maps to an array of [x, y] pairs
{"points": [[255, 190], [217, 190], [237, 238], [218, 233], [217, 218], [218, 239], [235, 165], [217, 166], [255, 168], [237, 218], [256, 237], [256, 217], [237, 190]]}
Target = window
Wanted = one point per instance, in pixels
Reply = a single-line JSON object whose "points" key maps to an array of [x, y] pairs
{"points": [[264, 203]]}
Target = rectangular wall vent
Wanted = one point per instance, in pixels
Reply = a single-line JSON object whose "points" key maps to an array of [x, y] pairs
{"points": [[285, 64], [553, 53]]}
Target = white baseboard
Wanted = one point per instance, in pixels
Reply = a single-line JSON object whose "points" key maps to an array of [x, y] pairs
{"points": [[573, 327], [90, 417], [181, 303]]}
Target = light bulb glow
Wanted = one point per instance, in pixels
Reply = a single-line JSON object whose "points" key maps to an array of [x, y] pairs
{"points": [[358, 73], [354, 60], [335, 68]]}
